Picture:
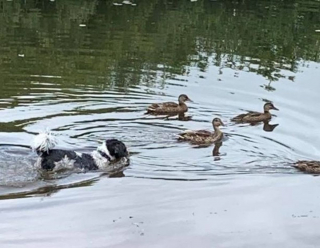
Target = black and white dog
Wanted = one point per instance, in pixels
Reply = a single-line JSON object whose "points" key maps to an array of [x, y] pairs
{"points": [[56, 159]]}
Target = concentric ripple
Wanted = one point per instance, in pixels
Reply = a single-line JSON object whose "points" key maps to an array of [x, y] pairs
{"points": [[84, 116]]}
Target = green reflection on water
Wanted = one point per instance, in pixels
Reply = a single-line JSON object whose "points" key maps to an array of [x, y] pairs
{"points": [[91, 41]]}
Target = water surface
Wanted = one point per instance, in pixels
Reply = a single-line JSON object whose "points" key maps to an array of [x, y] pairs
{"points": [[88, 69]]}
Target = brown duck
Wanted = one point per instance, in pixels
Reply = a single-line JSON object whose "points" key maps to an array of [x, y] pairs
{"points": [[308, 166], [170, 107], [203, 136], [256, 116]]}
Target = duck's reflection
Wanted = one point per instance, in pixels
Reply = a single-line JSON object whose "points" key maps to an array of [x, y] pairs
{"points": [[172, 116], [180, 117], [269, 127], [216, 151]]}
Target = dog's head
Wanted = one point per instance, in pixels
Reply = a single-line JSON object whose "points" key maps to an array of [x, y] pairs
{"points": [[116, 148], [113, 149]]}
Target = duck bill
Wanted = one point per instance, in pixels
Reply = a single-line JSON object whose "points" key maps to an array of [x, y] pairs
{"points": [[275, 108], [221, 123], [189, 100]]}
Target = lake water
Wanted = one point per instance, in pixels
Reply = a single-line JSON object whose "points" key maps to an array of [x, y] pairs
{"points": [[88, 70]]}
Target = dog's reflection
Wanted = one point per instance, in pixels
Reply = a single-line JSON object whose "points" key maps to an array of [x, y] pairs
{"points": [[267, 127]]}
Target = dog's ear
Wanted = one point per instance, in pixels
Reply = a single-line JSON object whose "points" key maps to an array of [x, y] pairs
{"points": [[120, 150], [116, 148]]}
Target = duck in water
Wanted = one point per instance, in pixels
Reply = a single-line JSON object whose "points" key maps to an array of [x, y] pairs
{"points": [[200, 137], [168, 108], [256, 116]]}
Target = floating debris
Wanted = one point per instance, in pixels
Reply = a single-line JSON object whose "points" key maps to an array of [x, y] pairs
{"points": [[82, 25], [129, 3]]}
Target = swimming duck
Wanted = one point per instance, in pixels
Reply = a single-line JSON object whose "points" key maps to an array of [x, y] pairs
{"points": [[308, 166], [170, 107], [203, 136], [256, 116]]}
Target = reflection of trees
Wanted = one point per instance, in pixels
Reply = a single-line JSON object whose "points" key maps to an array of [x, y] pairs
{"points": [[125, 45]]}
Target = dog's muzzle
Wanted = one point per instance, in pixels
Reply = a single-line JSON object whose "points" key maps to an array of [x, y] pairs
{"points": [[125, 161]]}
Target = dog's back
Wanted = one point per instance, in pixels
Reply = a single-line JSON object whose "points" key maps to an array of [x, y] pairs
{"points": [[64, 159]]}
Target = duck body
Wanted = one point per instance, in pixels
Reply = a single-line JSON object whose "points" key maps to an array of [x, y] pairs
{"points": [[252, 117], [255, 116], [308, 166], [167, 108], [200, 136], [170, 107], [203, 136]]}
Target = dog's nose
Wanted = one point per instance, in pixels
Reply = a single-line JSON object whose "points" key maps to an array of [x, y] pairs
{"points": [[125, 161]]}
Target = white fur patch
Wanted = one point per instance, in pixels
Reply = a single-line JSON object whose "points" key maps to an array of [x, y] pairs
{"points": [[38, 163], [44, 142], [64, 164], [104, 149], [100, 161], [79, 154]]}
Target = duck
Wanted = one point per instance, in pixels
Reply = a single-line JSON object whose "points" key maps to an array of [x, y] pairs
{"points": [[170, 107], [308, 166], [256, 116], [203, 136]]}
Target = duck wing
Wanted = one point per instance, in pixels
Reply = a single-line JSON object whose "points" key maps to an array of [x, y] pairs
{"points": [[164, 105], [250, 114], [253, 114], [194, 135], [204, 133]]}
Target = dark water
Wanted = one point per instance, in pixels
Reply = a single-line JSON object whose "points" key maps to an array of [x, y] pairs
{"points": [[88, 69]]}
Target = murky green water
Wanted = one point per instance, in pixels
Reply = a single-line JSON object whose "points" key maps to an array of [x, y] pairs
{"points": [[88, 70]]}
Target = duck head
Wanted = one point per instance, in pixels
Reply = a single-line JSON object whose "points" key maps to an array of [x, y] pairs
{"points": [[268, 106], [184, 98], [216, 122]]}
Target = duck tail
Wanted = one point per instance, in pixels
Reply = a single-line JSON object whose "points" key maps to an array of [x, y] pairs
{"points": [[181, 136], [44, 142], [150, 110]]}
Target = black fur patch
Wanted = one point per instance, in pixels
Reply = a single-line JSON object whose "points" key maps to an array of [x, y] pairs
{"points": [[116, 148], [56, 155]]}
